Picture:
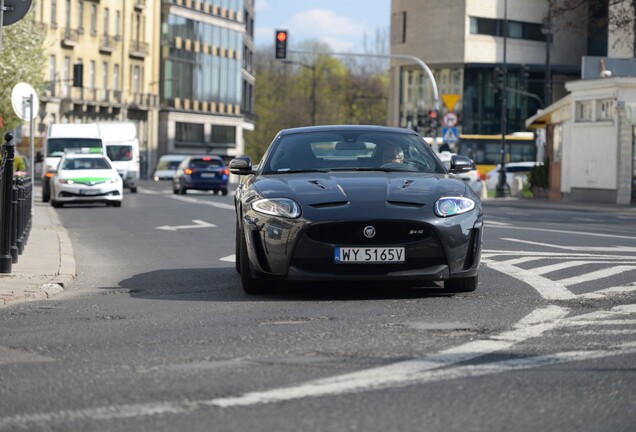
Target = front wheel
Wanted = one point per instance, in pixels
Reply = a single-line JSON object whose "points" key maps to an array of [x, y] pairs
{"points": [[252, 285], [224, 192], [465, 284]]}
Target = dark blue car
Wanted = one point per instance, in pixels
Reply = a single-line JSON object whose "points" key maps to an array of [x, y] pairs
{"points": [[206, 173]]}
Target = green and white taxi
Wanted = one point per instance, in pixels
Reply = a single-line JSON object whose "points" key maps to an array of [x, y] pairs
{"points": [[86, 175]]}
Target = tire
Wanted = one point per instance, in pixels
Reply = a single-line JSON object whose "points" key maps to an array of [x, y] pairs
{"points": [[46, 193], [215, 192], [237, 248], [224, 192], [182, 189], [252, 285], [465, 284], [116, 203], [57, 204], [133, 189]]}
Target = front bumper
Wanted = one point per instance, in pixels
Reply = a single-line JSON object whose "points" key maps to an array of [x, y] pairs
{"points": [[85, 193], [436, 250]]}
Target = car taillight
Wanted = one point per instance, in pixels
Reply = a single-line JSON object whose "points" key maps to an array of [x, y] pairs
{"points": [[482, 176], [188, 171]]}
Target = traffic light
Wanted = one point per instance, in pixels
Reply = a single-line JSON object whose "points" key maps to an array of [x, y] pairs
{"points": [[433, 120], [281, 44], [524, 76], [78, 75], [497, 79]]}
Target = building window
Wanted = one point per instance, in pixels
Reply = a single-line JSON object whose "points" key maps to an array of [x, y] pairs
{"points": [[105, 80], [93, 19], [584, 111], [116, 77], [136, 77], [80, 17], [91, 74], [67, 76], [605, 109], [106, 23], [189, 133], [398, 28], [67, 14], [225, 135], [516, 29], [54, 13], [117, 24]]}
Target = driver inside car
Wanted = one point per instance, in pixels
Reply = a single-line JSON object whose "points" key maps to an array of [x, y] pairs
{"points": [[392, 153]]}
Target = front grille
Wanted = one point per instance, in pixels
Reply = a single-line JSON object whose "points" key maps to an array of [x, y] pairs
{"points": [[352, 232]]}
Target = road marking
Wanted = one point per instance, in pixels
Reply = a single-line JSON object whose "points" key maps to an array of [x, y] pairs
{"points": [[229, 258], [204, 202], [547, 288], [555, 255], [617, 249], [600, 274], [578, 233], [604, 293], [197, 224]]}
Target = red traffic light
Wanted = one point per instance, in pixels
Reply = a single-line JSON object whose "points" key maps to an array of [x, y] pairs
{"points": [[281, 44], [281, 36], [432, 114]]}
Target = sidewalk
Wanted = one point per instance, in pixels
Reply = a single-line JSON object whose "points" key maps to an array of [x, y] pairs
{"points": [[46, 265]]}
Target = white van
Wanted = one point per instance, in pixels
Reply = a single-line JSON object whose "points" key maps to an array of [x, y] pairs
{"points": [[122, 148], [64, 136]]}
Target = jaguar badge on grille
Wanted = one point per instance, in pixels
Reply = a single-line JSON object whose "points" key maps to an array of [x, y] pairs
{"points": [[369, 231]]}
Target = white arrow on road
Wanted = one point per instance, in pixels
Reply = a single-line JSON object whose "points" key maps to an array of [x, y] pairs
{"points": [[197, 224]]}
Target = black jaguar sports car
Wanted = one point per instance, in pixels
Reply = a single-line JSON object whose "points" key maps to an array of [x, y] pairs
{"points": [[355, 203]]}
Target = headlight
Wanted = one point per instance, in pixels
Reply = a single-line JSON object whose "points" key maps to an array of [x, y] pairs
{"points": [[66, 181], [451, 206], [283, 207]]}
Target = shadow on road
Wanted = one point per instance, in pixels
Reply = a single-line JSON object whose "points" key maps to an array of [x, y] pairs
{"points": [[223, 284]]}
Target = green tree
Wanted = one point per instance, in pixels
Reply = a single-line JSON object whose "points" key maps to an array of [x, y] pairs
{"points": [[22, 59], [346, 91]]}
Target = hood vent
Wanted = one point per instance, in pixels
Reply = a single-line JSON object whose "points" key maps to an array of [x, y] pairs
{"points": [[406, 183], [319, 184], [406, 204], [330, 204]]}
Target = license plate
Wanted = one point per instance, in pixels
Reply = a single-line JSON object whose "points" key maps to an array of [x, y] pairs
{"points": [[88, 191], [208, 175], [369, 255]]}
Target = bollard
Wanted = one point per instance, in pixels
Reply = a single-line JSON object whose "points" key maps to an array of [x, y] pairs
{"points": [[6, 189], [13, 248]]}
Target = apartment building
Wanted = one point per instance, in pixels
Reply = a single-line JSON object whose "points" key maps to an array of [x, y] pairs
{"points": [[206, 81], [102, 64], [462, 42]]}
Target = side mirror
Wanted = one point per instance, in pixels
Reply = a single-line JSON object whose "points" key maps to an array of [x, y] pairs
{"points": [[459, 164], [241, 165]]}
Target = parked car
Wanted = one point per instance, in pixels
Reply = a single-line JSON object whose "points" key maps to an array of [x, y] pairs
{"points": [[324, 205], [86, 177], [206, 173], [471, 177], [513, 169], [167, 167]]}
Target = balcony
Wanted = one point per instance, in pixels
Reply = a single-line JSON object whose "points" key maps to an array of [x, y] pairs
{"points": [[107, 44], [143, 101], [139, 5], [70, 37], [139, 49]]}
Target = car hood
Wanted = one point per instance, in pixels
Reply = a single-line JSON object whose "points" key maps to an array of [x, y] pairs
{"points": [[326, 189]]}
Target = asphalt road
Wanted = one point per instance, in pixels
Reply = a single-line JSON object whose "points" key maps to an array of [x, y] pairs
{"points": [[157, 335]]}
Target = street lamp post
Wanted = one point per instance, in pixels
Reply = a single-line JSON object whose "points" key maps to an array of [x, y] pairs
{"points": [[313, 86], [502, 188]]}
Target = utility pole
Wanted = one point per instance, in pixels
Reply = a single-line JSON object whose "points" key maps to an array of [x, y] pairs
{"points": [[502, 185]]}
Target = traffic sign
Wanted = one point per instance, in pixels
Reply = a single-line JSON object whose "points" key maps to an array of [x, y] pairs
{"points": [[450, 100], [14, 11], [450, 119], [449, 135]]}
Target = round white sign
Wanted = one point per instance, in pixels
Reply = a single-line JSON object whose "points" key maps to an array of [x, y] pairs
{"points": [[20, 100], [449, 119]]}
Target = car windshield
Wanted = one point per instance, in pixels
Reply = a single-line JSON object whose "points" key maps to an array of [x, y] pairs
{"points": [[119, 152], [85, 164], [56, 146], [351, 151], [205, 163], [168, 164]]}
